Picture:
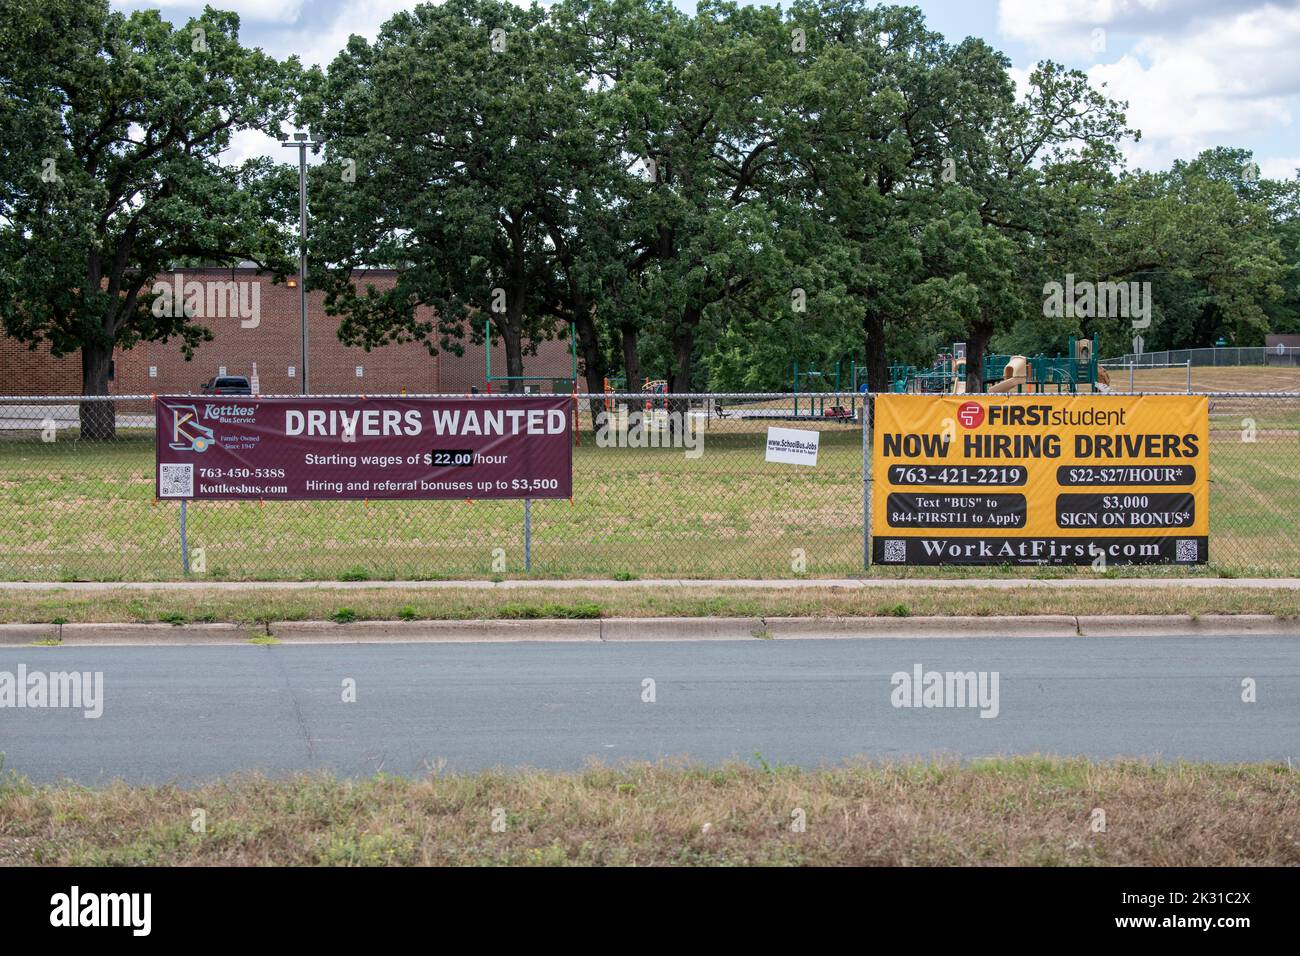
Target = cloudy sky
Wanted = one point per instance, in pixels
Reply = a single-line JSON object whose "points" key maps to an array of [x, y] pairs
{"points": [[1196, 73]]}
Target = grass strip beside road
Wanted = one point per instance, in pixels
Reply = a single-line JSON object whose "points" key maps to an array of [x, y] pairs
{"points": [[387, 604], [1018, 811]]}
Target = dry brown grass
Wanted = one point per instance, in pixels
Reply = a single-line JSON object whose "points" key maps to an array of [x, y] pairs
{"points": [[1020, 811], [131, 605]]}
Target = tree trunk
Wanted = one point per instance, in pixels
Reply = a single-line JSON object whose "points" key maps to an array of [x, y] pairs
{"points": [[98, 419], [512, 336], [679, 377], [631, 364], [877, 359], [976, 343], [593, 360]]}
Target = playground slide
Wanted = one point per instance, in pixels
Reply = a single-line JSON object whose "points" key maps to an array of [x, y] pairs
{"points": [[1014, 376]]}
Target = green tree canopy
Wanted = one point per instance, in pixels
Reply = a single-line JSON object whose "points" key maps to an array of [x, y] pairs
{"points": [[113, 173], [464, 127]]}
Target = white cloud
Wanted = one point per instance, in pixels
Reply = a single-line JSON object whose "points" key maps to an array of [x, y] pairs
{"points": [[1196, 74], [1283, 167], [315, 31], [1040, 22], [247, 143], [1064, 29], [319, 43], [315, 43], [250, 11]]}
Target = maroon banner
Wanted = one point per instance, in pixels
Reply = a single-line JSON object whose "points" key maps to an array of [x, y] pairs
{"points": [[294, 448]]}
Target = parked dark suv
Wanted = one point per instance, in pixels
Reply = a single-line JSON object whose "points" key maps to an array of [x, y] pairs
{"points": [[227, 385]]}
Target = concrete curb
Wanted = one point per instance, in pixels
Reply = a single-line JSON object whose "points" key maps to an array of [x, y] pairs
{"points": [[11, 634], [681, 628], [477, 631], [1184, 625], [21, 634], [629, 630], [1038, 625]]}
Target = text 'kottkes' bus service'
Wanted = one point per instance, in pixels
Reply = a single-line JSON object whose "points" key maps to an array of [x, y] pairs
{"points": [[1040, 479]]}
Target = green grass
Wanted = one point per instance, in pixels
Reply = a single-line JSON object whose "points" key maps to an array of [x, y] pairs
{"points": [[1026, 811], [1208, 378], [417, 603], [529, 612], [73, 511]]}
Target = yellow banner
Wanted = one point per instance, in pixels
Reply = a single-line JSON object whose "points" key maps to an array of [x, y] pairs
{"points": [[1040, 479]]}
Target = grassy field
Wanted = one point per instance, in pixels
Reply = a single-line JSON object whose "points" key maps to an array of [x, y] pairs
{"points": [[136, 605], [1245, 378], [77, 512], [1021, 811], [73, 511]]}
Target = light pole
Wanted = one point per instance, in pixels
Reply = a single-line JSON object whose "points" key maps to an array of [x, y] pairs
{"points": [[300, 143]]}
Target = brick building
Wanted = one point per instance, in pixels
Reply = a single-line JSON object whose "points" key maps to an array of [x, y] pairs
{"points": [[254, 320]]}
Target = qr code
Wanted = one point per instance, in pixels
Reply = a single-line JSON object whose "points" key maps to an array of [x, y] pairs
{"points": [[895, 550], [175, 481], [1185, 550]]}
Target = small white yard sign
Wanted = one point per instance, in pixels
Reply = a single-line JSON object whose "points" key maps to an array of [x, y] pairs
{"points": [[792, 446]]}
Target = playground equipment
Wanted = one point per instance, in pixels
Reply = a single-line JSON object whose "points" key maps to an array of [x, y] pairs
{"points": [[656, 407], [1015, 376], [1007, 373], [659, 388], [559, 386], [817, 403], [946, 374], [612, 388]]}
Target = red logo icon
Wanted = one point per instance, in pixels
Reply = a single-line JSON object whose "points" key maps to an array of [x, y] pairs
{"points": [[971, 414]]}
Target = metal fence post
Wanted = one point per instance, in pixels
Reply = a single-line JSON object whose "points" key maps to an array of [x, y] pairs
{"points": [[866, 480], [528, 534], [185, 550], [1131, 367], [1189, 376]]}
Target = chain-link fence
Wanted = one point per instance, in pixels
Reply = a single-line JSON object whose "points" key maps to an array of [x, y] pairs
{"points": [[690, 495], [1221, 356], [1191, 377]]}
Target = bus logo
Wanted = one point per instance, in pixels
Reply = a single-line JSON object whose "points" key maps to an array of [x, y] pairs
{"points": [[971, 414], [187, 433]]}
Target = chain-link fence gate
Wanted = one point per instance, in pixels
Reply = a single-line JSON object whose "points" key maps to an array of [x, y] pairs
{"points": [[692, 496]]}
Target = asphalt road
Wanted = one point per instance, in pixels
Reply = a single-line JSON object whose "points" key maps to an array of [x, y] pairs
{"points": [[187, 714]]}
